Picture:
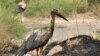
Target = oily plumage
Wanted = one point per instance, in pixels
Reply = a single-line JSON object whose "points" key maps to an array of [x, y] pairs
{"points": [[38, 39], [34, 41]]}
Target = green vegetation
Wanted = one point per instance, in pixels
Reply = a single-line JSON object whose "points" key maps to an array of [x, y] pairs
{"points": [[42, 7], [14, 27]]}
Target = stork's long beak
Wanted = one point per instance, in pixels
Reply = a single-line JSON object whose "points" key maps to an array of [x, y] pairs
{"points": [[58, 14]]}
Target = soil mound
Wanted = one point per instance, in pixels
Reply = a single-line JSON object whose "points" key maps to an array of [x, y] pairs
{"points": [[81, 45]]}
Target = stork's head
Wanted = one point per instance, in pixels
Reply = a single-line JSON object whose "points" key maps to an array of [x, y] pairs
{"points": [[21, 6], [55, 12]]}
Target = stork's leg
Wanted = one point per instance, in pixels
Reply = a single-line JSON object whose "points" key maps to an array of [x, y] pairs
{"points": [[41, 49], [37, 51]]}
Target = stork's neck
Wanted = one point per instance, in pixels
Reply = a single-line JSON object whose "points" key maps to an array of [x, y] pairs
{"points": [[52, 23]]}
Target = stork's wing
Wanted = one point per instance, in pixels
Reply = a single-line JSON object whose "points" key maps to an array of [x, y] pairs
{"points": [[35, 40], [27, 43], [31, 34]]}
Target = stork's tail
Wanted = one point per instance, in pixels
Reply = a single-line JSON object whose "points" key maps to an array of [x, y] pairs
{"points": [[21, 51]]}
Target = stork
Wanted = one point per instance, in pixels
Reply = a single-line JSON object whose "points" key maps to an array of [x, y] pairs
{"points": [[21, 6], [39, 38]]}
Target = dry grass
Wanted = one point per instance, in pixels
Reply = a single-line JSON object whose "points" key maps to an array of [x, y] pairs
{"points": [[4, 36], [5, 40]]}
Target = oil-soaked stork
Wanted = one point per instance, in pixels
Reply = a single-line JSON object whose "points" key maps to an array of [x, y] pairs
{"points": [[21, 6], [40, 38]]}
